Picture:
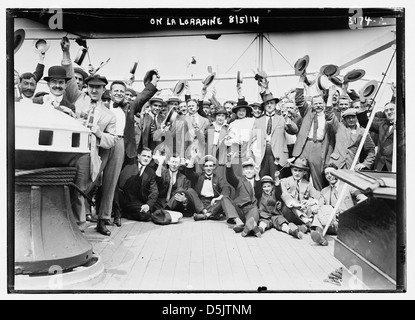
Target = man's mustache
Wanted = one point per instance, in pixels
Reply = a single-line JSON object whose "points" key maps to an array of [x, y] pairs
{"points": [[57, 88]]}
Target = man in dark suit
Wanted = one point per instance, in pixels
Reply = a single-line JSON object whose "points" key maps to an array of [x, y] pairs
{"points": [[137, 190], [151, 122], [210, 187], [243, 210]]}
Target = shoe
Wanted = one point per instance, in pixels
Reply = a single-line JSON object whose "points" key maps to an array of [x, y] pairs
{"points": [[238, 228], [250, 225], [102, 229], [318, 238], [294, 231], [231, 221], [91, 218], [117, 221], [199, 216], [258, 232], [302, 228]]}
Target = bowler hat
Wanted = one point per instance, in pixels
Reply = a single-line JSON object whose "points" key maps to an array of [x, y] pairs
{"points": [[96, 80], [267, 179], [269, 97], [81, 71], [56, 72], [164, 217], [242, 104], [249, 162], [300, 163]]}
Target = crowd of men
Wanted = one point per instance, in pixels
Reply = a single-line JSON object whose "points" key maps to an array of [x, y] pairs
{"points": [[257, 166]]}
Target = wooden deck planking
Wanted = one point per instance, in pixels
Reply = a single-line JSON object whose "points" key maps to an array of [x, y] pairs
{"points": [[208, 256], [210, 269]]}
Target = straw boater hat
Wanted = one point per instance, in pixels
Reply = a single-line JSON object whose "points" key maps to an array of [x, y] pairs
{"points": [[299, 163], [209, 158], [249, 162], [156, 99], [164, 217], [267, 179], [173, 99]]}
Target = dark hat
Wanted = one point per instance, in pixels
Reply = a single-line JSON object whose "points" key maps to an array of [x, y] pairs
{"points": [[249, 162], [299, 163], [106, 95], [206, 103], [149, 75], [267, 179], [354, 96], [330, 70], [164, 217], [301, 65], [56, 72], [132, 91], [97, 80], [354, 75], [220, 110], [267, 98], [256, 104], [156, 99], [39, 94], [81, 71], [242, 104]]}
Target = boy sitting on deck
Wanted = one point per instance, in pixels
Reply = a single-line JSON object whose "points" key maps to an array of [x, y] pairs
{"points": [[270, 214]]}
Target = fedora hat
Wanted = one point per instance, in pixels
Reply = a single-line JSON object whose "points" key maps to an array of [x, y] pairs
{"points": [[40, 45], [81, 71], [349, 112], [368, 90], [242, 104], [330, 70], [164, 217], [299, 163], [269, 97], [301, 65], [96, 80], [56, 72], [354, 75], [19, 36], [267, 179], [249, 162]]}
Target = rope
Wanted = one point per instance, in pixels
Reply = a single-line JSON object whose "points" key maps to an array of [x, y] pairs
{"points": [[279, 52], [242, 54], [61, 176]]}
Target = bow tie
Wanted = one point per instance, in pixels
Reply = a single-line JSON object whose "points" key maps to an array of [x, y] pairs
{"points": [[270, 115], [208, 177], [118, 104]]}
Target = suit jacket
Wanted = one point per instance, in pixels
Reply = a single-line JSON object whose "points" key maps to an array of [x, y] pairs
{"points": [[268, 203], [220, 186], [202, 123], [181, 184], [142, 189], [278, 141], [132, 109], [347, 144], [244, 194], [350, 198], [385, 143], [307, 191], [147, 131], [307, 113]]}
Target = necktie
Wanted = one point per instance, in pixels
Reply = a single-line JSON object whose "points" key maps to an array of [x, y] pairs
{"points": [[333, 196], [90, 121], [208, 178], [269, 126], [140, 169], [315, 127], [297, 190], [171, 184]]}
